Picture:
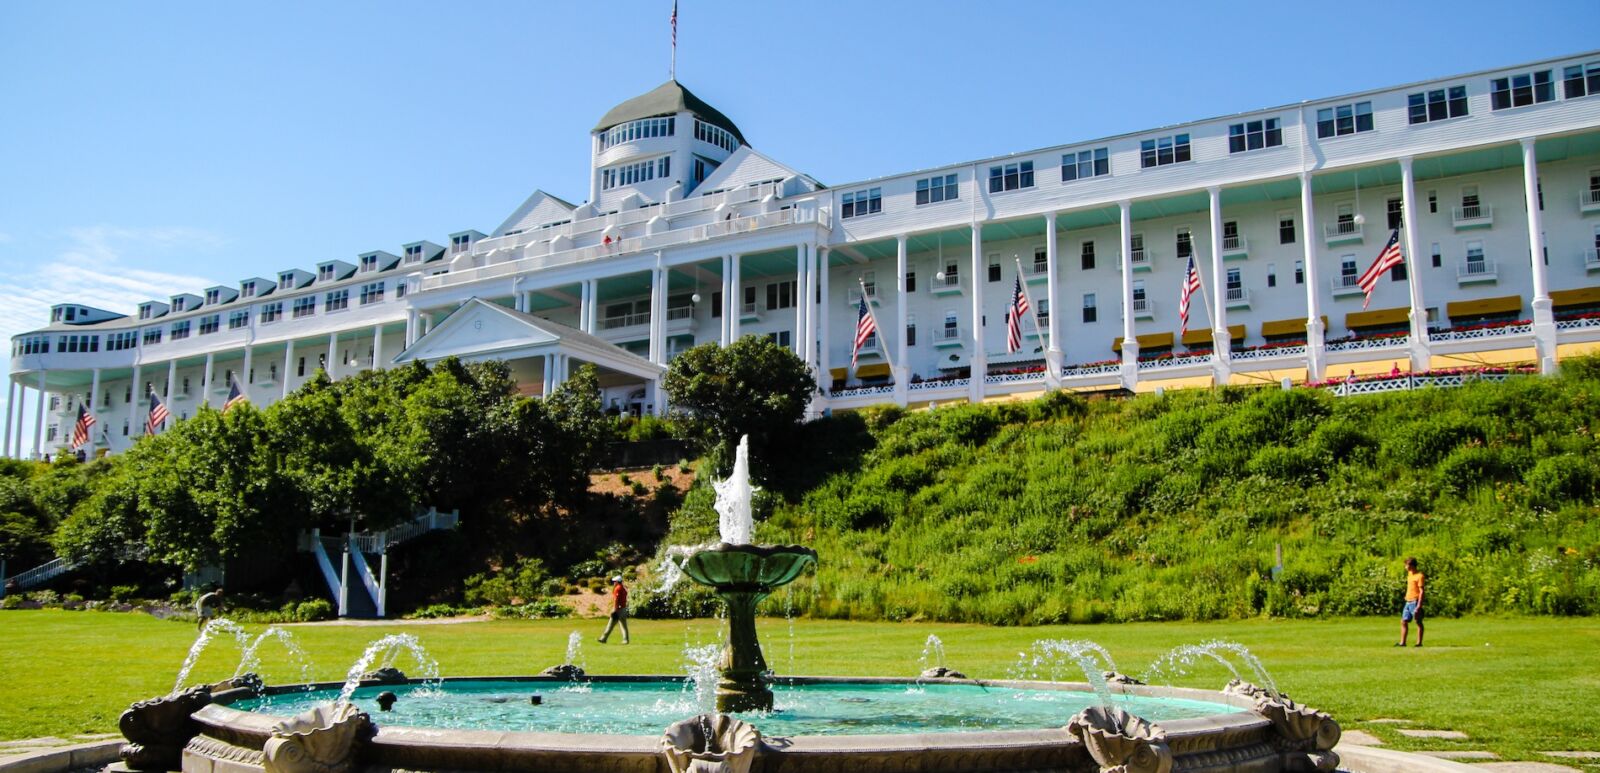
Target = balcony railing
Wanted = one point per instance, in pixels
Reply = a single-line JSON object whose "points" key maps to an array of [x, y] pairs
{"points": [[1143, 307], [1345, 284], [625, 320], [1238, 297], [1589, 201], [945, 336], [951, 283], [1342, 231], [1480, 332], [680, 312], [1139, 257], [1474, 216], [748, 309], [1476, 271], [1591, 260], [1234, 245]]}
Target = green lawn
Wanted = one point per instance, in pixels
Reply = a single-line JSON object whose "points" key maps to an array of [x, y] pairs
{"points": [[1516, 685]]}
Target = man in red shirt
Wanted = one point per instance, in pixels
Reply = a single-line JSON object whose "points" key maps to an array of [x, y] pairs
{"points": [[619, 610]]}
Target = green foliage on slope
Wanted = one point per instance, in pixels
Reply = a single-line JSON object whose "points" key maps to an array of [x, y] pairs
{"points": [[1171, 507]]}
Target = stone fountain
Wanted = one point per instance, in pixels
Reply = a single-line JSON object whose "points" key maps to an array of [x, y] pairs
{"points": [[742, 574]]}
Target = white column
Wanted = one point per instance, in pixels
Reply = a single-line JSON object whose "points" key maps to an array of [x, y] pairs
{"points": [[15, 431], [411, 326], [658, 315], [1221, 339], [902, 368], [377, 347], [980, 356], [94, 394], [288, 367], [38, 423], [824, 307], [728, 309], [808, 351], [245, 377], [1544, 320], [1130, 338], [205, 382], [333, 356], [1316, 332], [138, 396], [172, 388], [594, 306], [549, 375], [800, 301], [11, 406], [1419, 313], [1052, 292], [737, 298], [583, 305]]}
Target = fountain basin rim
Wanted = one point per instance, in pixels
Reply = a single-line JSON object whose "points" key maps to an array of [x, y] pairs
{"points": [[765, 551]]}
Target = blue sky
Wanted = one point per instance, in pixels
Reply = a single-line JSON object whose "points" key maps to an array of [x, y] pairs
{"points": [[150, 148]]}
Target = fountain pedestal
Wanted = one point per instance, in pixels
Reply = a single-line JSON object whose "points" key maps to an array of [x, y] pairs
{"points": [[743, 575]]}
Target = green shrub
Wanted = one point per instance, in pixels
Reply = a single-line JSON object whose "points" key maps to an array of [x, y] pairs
{"points": [[520, 582], [312, 610], [1566, 477], [124, 593]]}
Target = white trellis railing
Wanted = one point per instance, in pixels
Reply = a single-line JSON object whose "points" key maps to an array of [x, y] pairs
{"points": [[1175, 362], [1259, 354], [1488, 332], [949, 383], [1406, 383], [1367, 343], [1091, 370], [1012, 378], [1577, 324]]}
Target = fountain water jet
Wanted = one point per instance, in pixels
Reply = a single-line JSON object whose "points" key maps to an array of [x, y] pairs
{"points": [[1179, 659], [201, 642], [250, 660], [389, 649], [742, 574]]}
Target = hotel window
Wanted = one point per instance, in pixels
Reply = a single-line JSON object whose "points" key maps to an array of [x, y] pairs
{"points": [[247, 289], [414, 254], [1087, 255], [152, 336], [238, 319], [183, 388], [638, 130], [144, 312], [1437, 256], [1139, 301], [300, 367], [286, 280], [372, 293], [911, 281], [369, 263], [304, 307], [1254, 135], [1185, 242], [1011, 177], [780, 295], [1089, 311], [749, 299], [1299, 272], [1396, 213], [400, 290], [325, 273], [994, 268], [117, 342], [336, 300], [715, 135], [638, 172], [863, 202], [1398, 273], [911, 330], [1136, 248], [1041, 260], [1043, 314], [460, 243], [1235, 284], [1272, 275], [1347, 270], [1341, 120], [1521, 90], [780, 337], [1433, 202], [1286, 229], [716, 305], [1581, 80], [272, 372], [1087, 163], [1438, 104], [1162, 151], [212, 296], [180, 330], [932, 190], [211, 324], [271, 312]]}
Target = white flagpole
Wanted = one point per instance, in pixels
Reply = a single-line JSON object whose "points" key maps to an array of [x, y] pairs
{"points": [[1032, 307], [1205, 297], [883, 343]]}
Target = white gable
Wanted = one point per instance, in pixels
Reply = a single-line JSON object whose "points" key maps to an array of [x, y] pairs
{"points": [[747, 167], [475, 331], [540, 209]]}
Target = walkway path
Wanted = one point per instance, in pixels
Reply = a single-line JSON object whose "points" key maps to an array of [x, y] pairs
{"points": [[1479, 758]]}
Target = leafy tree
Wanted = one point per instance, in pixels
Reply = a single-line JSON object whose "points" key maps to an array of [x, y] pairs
{"points": [[753, 387], [580, 433]]}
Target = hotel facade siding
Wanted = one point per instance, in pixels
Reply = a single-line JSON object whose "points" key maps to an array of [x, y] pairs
{"points": [[691, 235]]}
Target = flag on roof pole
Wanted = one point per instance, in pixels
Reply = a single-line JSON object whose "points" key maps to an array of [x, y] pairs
{"points": [[866, 328], [80, 430], [1019, 306], [1191, 283], [1388, 258], [674, 72], [158, 415], [235, 396]]}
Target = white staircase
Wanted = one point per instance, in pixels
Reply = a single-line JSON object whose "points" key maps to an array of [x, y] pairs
{"points": [[353, 550]]}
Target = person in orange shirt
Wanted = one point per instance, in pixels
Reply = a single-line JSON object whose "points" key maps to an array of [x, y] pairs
{"points": [[619, 610], [1413, 610]]}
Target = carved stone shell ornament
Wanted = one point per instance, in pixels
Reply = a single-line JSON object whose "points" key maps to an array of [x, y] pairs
{"points": [[565, 671], [710, 743], [321, 740], [1121, 742], [1304, 736], [157, 729]]}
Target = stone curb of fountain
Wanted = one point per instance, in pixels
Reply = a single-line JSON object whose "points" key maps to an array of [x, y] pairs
{"points": [[1371, 759], [84, 755]]}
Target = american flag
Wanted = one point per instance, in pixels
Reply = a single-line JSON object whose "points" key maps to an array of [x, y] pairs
{"points": [[158, 415], [1019, 307], [1191, 284], [866, 328], [234, 395], [1387, 259], [80, 430], [674, 25]]}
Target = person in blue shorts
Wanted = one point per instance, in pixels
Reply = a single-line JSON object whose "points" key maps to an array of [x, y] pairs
{"points": [[1413, 609]]}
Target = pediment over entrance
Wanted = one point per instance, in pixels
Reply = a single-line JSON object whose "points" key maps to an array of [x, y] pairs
{"points": [[482, 330]]}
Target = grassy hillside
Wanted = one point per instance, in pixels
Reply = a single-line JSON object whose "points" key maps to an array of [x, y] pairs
{"points": [[1170, 507]]}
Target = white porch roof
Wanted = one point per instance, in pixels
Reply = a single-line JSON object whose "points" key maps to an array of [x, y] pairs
{"points": [[481, 330]]}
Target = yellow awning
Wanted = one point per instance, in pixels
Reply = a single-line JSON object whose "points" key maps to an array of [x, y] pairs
{"points": [[1505, 304], [1583, 296], [1197, 337], [1147, 341], [873, 371], [839, 374], [1377, 317], [1287, 327]]}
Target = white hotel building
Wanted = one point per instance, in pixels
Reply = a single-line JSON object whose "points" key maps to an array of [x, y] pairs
{"points": [[691, 235]]}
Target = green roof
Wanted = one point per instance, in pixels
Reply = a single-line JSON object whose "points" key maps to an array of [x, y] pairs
{"points": [[666, 99]]}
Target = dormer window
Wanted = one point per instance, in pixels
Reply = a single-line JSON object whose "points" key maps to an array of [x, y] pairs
{"points": [[212, 296], [177, 304], [286, 279], [325, 273], [144, 311], [369, 263], [414, 253], [460, 243], [247, 289]]}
